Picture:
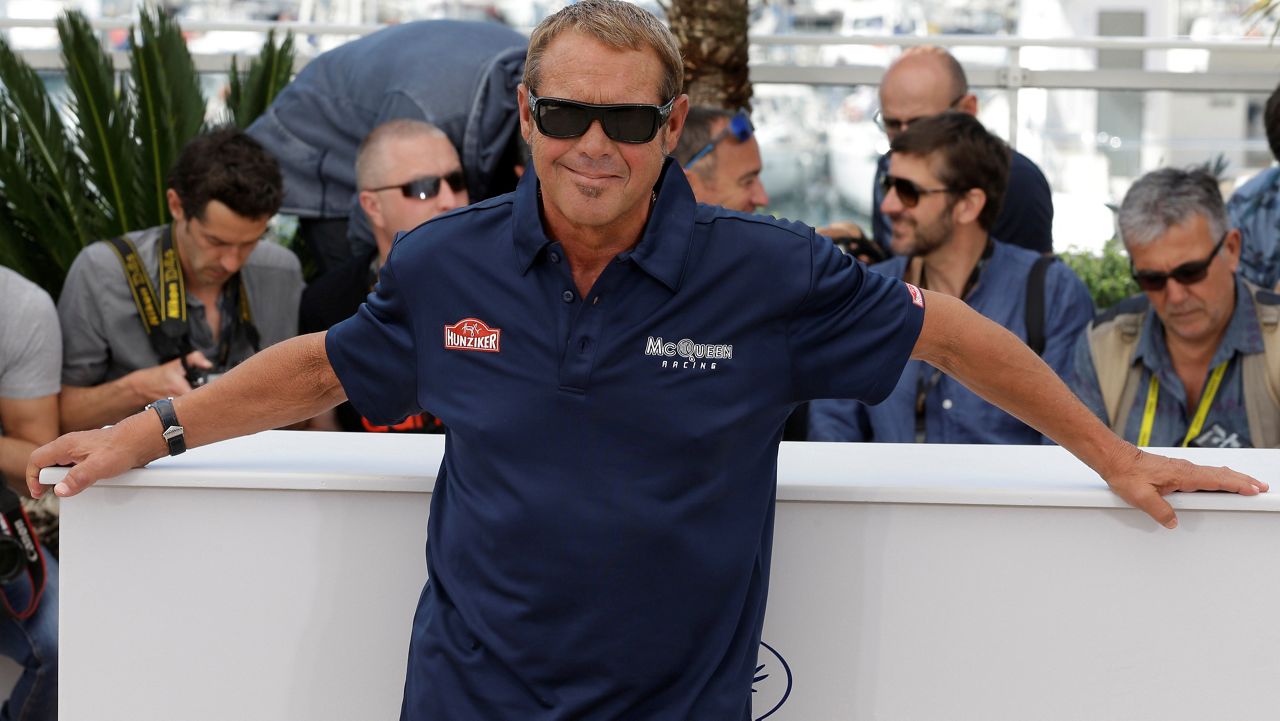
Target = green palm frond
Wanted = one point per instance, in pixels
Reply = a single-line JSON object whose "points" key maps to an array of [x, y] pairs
{"points": [[1264, 10], [41, 175], [170, 106], [104, 120], [250, 93]]}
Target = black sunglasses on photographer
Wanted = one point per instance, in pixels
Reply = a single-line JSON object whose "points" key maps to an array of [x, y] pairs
{"points": [[1186, 274], [908, 192], [624, 123], [428, 186]]}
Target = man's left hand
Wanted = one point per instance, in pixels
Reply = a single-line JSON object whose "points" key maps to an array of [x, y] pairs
{"points": [[1144, 479]]}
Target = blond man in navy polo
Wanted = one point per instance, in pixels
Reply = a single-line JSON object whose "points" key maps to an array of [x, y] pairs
{"points": [[614, 365]]}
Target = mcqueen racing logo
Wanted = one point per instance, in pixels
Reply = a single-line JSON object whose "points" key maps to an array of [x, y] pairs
{"points": [[472, 334], [685, 353]]}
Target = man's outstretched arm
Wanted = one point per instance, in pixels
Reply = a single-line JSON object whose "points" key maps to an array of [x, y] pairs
{"points": [[996, 365], [286, 383]]}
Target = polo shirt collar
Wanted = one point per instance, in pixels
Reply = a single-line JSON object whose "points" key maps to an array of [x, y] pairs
{"points": [[1243, 336], [663, 246]]}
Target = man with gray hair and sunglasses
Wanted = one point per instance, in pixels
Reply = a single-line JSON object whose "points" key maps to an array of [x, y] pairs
{"points": [[1194, 360], [614, 363]]}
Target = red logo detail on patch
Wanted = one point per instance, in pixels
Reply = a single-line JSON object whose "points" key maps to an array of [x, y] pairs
{"points": [[472, 334], [916, 296]]}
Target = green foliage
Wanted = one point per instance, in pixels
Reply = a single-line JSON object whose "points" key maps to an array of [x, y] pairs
{"points": [[250, 93], [47, 214], [103, 122], [1106, 275], [64, 185], [1264, 11], [170, 106]]}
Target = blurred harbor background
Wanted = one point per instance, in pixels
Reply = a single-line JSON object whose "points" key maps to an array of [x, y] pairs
{"points": [[1094, 91]]}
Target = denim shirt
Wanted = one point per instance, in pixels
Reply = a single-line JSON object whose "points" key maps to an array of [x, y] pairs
{"points": [[1254, 210], [953, 413], [1225, 426]]}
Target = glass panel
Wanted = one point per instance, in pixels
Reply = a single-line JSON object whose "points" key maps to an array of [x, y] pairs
{"points": [[1092, 145], [819, 145]]}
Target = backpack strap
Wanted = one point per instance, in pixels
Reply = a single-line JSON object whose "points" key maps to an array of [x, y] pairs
{"points": [[1263, 371], [1035, 304], [1113, 339]]}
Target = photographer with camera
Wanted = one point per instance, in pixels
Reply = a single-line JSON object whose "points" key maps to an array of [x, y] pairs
{"points": [[128, 337], [30, 349]]}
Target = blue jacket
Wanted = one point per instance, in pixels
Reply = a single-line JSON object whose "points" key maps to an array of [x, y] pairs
{"points": [[953, 413], [459, 76], [1254, 209]]}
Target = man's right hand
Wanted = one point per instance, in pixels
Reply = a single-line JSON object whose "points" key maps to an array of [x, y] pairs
{"points": [[95, 455], [166, 380]]}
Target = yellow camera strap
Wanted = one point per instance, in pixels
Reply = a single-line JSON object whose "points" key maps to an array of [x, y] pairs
{"points": [[167, 314]]}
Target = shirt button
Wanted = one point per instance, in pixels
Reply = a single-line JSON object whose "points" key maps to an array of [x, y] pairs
{"points": [[555, 257], [567, 296], [595, 300], [584, 345], [946, 404]]}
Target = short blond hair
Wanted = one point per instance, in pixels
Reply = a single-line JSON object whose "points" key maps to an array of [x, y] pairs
{"points": [[369, 164], [616, 24]]}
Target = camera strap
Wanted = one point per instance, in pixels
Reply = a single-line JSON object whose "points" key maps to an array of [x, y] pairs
{"points": [[165, 318], [18, 526]]}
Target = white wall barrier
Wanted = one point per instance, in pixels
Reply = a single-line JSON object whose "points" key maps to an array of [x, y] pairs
{"points": [[273, 578]]}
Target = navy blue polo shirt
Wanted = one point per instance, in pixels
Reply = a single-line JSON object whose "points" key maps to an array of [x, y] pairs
{"points": [[602, 520]]}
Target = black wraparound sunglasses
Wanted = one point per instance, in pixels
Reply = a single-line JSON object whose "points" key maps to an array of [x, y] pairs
{"points": [[428, 186], [908, 192], [626, 123], [1186, 274]]}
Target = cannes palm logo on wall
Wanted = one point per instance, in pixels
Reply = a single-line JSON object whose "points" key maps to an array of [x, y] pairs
{"points": [[771, 684]]}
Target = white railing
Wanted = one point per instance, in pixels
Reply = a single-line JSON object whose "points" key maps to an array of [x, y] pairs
{"points": [[1011, 76], [1216, 72]]}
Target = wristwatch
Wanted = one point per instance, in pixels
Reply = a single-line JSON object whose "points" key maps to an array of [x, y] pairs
{"points": [[173, 433]]}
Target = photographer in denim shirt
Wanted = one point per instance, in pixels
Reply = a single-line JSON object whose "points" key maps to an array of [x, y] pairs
{"points": [[947, 176]]}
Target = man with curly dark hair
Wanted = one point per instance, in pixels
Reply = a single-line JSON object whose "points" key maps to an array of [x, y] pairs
{"points": [[127, 336]]}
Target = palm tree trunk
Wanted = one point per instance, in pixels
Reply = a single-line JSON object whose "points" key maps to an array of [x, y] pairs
{"points": [[712, 35]]}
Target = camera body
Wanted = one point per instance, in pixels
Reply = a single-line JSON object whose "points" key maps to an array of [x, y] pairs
{"points": [[15, 554], [202, 376]]}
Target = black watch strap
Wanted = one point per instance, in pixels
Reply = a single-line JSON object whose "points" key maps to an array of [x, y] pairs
{"points": [[173, 433]]}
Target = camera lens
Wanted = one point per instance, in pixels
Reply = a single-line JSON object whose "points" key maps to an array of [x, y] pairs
{"points": [[12, 559]]}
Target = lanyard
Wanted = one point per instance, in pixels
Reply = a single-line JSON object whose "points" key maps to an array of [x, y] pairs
{"points": [[1202, 410]]}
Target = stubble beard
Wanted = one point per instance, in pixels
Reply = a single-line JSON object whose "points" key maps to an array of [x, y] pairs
{"points": [[927, 238]]}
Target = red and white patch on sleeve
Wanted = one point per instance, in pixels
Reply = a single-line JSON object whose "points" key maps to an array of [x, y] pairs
{"points": [[917, 297]]}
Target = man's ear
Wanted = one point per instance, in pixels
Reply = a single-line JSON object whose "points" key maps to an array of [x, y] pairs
{"points": [[372, 208], [175, 204], [969, 207], [695, 182], [675, 124], [1231, 248], [526, 117]]}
